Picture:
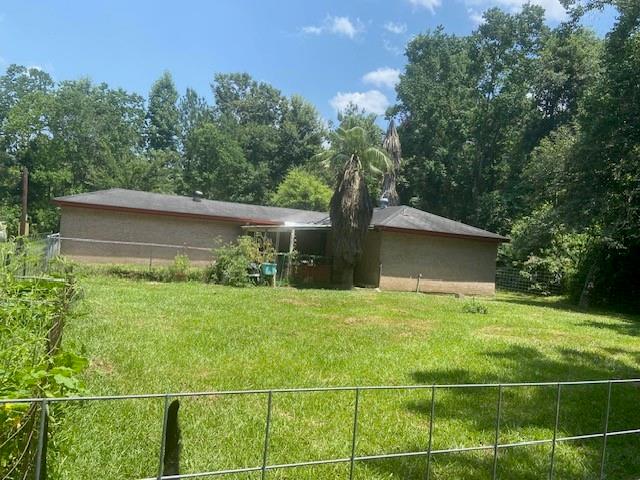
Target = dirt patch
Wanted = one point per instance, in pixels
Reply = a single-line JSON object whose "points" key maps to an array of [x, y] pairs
{"points": [[101, 366]]}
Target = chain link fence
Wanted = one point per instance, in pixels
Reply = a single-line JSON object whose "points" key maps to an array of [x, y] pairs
{"points": [[536, 283]]}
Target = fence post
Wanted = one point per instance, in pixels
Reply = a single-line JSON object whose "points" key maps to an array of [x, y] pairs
{"points": [[41, 453], [497, 439], [555, 431], [163, 440], [606, 431], [433, 398], [355, 433], [265, 451]]}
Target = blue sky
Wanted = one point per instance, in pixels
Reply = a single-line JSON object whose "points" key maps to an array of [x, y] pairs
{"points": [[330, 52]]}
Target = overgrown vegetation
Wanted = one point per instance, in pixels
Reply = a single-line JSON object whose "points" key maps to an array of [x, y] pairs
{"points": [[233, 260], [33, 312], [532, 131]]}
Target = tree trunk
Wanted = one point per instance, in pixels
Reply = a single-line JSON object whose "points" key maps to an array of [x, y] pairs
{"points": [[585, 295], [342, 274], [350, 211]]}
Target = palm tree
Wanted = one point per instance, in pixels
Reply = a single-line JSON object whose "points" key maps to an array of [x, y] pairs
{"points": [[351, 207], [391, 144]]}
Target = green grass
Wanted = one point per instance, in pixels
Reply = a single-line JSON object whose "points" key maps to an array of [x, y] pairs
{"points": [[148, 337]]}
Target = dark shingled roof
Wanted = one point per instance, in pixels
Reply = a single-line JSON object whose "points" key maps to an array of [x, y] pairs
{"points": [[408, 218], [119, 198], [399, 218]]}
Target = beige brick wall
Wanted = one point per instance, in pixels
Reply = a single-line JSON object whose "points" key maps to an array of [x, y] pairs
{"points": [[447, 265], [99, 224], [368, 268]]}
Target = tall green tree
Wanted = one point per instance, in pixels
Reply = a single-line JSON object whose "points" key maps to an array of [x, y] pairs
{"points": [[215, 165], [604, 192], [163, 116], [301, 189], [274, 132], [194, 111]]}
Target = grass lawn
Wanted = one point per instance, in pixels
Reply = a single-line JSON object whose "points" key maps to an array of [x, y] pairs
{"points": [[148, 337]]}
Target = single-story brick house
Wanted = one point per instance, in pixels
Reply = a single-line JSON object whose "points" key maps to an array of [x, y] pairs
{"points": [[406, 248]]}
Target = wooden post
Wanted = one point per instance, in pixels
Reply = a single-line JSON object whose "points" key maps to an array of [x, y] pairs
{"points": [[292, 242], [25, 192]]}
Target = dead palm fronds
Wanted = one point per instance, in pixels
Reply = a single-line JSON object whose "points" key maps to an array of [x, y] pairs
{"points": [[351, 206], [391, 144]]}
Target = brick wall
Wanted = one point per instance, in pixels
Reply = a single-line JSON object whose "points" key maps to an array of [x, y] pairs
{"points": [[447, 265], [99, 224]]}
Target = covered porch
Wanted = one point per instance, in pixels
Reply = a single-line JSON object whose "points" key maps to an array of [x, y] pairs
{"points": [[303, 251]]}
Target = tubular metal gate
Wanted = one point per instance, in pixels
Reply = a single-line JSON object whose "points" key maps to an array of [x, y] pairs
{"points": [[265, 467]]}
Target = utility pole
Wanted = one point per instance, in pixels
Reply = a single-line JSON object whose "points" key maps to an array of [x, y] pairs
{"points": [[24, 226]]}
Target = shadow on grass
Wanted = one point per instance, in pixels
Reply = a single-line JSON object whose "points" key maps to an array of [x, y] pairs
{"points": [[466, 417], [627, 327], [564, 304]]}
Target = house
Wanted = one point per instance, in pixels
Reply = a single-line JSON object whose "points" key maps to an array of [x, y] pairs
{"points": [[405, 249]]}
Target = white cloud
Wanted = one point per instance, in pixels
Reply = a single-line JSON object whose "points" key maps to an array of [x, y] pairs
{"points": [[373, 101], [475, 16], [392, 48], [382, 77], [430, 5], [342, 26], [553, 8], [311, 30], [397, 28]]}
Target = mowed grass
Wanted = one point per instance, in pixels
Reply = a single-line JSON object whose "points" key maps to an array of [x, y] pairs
{"points": [[155, 338]]}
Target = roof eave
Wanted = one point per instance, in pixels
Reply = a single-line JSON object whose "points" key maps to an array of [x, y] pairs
{"points": [[497, 239], [200, 216]]}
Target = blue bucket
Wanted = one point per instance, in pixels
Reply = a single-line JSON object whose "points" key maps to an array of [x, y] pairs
{"points": [[269, 269]]}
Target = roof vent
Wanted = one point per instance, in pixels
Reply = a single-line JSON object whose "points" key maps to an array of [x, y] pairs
{"points": [[197, 196], [384, 202]]}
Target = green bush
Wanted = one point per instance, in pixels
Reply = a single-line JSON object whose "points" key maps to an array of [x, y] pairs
{"points": [[179, 269], [544, 251], [475, 307], [233, 259]]}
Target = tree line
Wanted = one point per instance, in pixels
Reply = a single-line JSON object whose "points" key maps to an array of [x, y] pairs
{"points": [[77, 136], [519, 128], [533, 132]]}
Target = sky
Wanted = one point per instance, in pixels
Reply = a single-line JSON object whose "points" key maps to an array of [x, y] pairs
{"points": [[331, 52]]}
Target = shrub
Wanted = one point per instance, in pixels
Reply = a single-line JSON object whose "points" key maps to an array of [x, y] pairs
{"points": [[544, 251], [233, 259], [475, 307], [179, 270]]}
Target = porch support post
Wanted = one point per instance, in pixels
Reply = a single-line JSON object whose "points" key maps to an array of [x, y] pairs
{"points": [[292, 242]]}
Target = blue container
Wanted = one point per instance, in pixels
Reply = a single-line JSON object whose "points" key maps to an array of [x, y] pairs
{"points": [[269, 269]]}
